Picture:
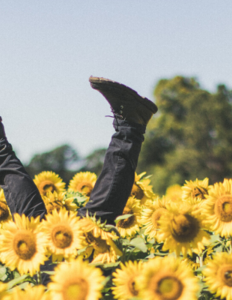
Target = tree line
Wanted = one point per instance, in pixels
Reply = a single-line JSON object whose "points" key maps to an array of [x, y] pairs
{"points": [[190, 137]]}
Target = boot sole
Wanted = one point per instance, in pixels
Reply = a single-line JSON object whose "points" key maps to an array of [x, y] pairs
{"points": [[100, 83]]}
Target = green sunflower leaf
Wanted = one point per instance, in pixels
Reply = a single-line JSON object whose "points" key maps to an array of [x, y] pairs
{"points": [[139, 244], [122, 217], [16, 281]]}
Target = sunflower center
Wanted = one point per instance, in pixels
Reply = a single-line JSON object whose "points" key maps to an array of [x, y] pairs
{"points": [[156, 216], [89, 237], [128, 222], [62, 236], [199, 192], [4, 211], [169, 288], [184, 228], [24, 244], [97, 243], [223, 208], [85, 188], [47, 186], [132, 287], [100, 245], [77, 290], [226, 275], [137, 192]]}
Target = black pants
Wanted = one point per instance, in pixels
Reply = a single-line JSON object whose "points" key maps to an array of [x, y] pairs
{"points": [[111, 190]]}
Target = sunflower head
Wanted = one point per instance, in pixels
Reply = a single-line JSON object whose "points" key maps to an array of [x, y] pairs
{"points": [[5, 214], [141, 189], [196, 189], [151, 215], [30, 293], [167, 279], [48, 181], [76, 280], [53, 201], [124, 280], [3, 291], [130, 225], [218, 275], [174, 192], [22, 245], [83, 182], [217, 208], [181, 230], [63, 231], [98, 240]]}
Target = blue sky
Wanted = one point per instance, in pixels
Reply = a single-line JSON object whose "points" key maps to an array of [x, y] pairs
{"points": [[49, 48]]}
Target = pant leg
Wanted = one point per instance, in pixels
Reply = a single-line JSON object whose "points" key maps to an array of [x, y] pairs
{"points": [[21, 193], [114, 184]]}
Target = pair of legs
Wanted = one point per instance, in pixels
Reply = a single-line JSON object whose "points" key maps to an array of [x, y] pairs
{"points": [[113, 186], [111, 190]]}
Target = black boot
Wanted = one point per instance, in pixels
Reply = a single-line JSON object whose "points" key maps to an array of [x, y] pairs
{"points": [[126, 104]]}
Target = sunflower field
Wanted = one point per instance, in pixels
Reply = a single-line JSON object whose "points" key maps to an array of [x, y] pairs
{"points": [[174, 247]]}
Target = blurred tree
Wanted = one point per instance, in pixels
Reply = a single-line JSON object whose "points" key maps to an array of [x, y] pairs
{"points": [[65, 162], [61, 160], [191, 135], [94, 161]]}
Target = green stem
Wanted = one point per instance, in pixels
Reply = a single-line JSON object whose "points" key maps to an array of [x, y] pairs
{"points": [[201, 260], [39, 278]]}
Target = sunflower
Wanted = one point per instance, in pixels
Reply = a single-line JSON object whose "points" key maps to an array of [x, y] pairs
{"points": [[218, 208], [63, 231], [69, 204], [98, 241], [83, 182], [167, 278], [48, 181], [218, 275], [53, 201], [141, 189], [5, 214], [23, 245], [181, 230], [194, 265], [91, 224], [124, 280], [151, 216], [174, 192], [196, 189], [30, 293], [105, 251], [2, 196], [76, 280], [129, 226], [3, 291]]}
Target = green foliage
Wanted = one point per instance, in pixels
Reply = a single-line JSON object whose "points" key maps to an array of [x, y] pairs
{"points": [[60, 160], [65, 161], [94, 161], [191, 135]]}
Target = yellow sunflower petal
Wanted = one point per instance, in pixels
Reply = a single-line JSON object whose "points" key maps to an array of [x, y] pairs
{"points": [[83, 182], [22, 245], [63, 231], [48, 181], [218, 275], [76, 280], [167, 278]]}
